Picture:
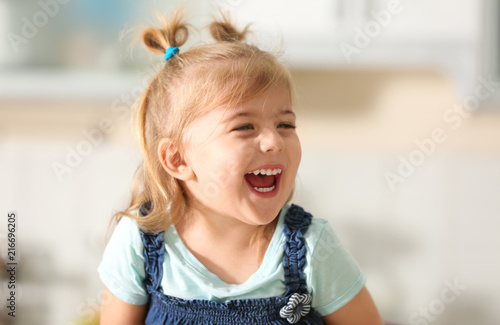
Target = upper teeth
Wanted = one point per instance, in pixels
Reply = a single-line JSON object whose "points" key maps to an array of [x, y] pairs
{"points": [[266, 171]]}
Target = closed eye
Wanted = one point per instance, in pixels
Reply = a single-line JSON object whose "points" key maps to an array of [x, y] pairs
{"points": [[286, 126], [244, 127]]}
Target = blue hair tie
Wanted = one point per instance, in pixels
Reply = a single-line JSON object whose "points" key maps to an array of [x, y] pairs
{"points": [[170, 52]]}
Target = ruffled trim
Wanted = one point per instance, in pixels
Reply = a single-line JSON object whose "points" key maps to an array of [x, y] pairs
{"points": [[297, 221], [153, 254], [153, 260]]}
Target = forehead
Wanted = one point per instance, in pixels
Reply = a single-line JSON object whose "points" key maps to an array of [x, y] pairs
{"points": [[274, 102]]}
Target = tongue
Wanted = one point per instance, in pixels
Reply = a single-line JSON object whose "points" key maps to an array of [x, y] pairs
{"points": [[260, 180]]}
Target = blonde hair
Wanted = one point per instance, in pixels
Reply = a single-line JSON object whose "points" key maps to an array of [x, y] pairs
{"points": [[191, 82]]}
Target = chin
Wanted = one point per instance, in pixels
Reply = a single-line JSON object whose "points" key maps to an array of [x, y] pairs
{"points": [[266, 216]]}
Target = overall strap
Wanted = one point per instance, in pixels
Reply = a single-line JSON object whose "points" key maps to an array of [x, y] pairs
{"points": [[297, 221], [153, 254]]}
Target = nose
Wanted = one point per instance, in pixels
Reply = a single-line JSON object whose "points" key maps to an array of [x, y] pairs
{"points": [[270, 140]]}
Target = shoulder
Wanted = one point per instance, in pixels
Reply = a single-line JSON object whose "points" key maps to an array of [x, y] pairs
{"points": [[297, 217], [127, 223], [125, 240], [122, 266], [320, 238], [318, 228], [127, 231], [323, 243]]}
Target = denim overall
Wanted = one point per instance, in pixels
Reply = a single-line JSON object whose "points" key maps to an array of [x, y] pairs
{"points": [[293, 308]]}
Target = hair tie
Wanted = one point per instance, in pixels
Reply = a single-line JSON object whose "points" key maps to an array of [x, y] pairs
{"points": [[170, 52]]}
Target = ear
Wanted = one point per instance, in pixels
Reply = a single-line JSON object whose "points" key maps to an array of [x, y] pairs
{"points": [[173, 162]]}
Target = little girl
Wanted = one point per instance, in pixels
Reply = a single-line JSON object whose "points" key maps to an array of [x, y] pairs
{"points": [[209, 236]]}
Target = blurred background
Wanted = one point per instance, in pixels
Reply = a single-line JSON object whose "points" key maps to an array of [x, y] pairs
{"points": [[399, 118]]}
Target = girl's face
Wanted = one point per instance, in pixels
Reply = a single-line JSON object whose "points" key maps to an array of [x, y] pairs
{"points": [[244, 160]]}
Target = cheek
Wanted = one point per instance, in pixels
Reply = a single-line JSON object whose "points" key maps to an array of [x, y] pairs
{"points": [[295, 151], [235, 156], [219, 167], [233, 164]]}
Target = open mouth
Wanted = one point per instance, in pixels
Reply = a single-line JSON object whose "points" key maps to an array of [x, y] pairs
{"points": [[264, 180]]}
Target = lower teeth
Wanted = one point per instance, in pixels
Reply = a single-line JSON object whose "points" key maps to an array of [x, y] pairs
{"points": [[264, 189]]}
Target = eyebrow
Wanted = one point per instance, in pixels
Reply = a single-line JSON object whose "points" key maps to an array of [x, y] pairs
{"points": [[244, 114]]}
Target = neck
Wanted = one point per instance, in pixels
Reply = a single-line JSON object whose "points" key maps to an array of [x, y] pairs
{"points": [[223, 231], [224, 244]]}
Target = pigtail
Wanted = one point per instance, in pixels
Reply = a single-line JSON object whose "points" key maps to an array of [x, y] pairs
{"points": [[174, 32], [222, 30], [151, 187]]}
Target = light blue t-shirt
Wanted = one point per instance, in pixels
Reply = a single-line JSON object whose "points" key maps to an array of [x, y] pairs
{"points": [[332, 275]]}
